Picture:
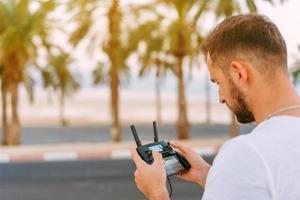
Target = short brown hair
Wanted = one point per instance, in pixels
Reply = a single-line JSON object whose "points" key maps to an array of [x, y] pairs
{"points": [[250, 36]]}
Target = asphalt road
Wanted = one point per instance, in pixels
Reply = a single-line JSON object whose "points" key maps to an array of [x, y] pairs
{"points": [[80, 180], [96, 134]]}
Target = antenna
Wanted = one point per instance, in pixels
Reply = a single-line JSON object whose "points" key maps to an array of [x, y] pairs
{"points": [[135, 135], [155, 131]]}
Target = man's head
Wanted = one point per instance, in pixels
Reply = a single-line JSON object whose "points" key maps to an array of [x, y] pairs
{"points": [[241, 50]]}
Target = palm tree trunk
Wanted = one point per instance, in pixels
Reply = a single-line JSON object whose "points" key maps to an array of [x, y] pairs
{"points": [[5, 127], [114, 85], [158, 98], [234, 129], [63, 121], [49, 97], [114, 53], [182, 123], [207, 103], [15, 129]]}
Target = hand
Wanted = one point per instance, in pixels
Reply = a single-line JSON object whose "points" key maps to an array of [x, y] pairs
{"points": [[150, 179], [199, 167]]}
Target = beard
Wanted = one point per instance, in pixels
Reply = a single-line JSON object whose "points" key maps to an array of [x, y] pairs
{"points": [[240, 106]]}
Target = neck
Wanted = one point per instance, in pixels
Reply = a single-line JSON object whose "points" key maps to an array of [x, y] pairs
{"points": [[270, 98]]}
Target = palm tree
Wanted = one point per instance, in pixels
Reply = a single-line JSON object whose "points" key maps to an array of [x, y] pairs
{"points": [[18, 26], [154, 56], [296, 70], [3, 102], [207, 101], [117, 48], [114, 52], [59, 77], [29, 84], [160, 66], [182, 40], [296, 73]]}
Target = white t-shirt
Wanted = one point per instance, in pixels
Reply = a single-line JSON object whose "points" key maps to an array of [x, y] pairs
{"points": [[262, 165]]}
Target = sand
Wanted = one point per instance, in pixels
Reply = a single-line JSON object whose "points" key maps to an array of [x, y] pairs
{"points": [[92, 107]]}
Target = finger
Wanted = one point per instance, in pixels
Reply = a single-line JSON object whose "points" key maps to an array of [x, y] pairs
{"points": [[136, 158], [178, 150], [180, 146], [135, 173], [157, 157]]}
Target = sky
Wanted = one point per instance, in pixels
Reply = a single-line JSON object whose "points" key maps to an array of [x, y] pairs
{"points": [[286, 16]]}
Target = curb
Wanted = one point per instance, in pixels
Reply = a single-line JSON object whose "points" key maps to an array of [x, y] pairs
{"points": [[51, 156]]}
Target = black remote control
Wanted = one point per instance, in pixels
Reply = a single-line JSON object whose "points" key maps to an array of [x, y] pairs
{"points": [[174, 162]]}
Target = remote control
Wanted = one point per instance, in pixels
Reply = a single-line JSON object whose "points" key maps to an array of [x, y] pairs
{"points": [[174, 162]]}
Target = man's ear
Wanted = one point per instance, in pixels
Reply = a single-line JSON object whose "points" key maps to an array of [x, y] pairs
{"points": [[239, 72]]}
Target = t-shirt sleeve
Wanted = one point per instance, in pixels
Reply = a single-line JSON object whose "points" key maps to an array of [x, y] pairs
{"points": [[238, 173]]}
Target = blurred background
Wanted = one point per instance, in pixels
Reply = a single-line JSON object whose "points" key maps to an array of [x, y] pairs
{"points": [[79, 72]]}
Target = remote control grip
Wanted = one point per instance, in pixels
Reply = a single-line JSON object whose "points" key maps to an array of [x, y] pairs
{"points": [[183, 161], [146, 155]]}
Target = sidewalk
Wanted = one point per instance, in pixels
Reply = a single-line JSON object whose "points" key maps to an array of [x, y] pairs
{"points": [[92, 151]]}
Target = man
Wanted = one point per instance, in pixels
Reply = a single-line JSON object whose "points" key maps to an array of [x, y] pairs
{"points": [[247, 59]]}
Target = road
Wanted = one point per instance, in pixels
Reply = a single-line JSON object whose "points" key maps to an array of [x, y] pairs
{"points": [[89, 180], [80, 180], [96, 134]]}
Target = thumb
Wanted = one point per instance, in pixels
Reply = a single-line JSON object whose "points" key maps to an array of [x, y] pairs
{"points": [[157, 157]]}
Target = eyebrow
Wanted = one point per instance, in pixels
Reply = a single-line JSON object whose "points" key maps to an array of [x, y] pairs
{"points": [[212, 80]]}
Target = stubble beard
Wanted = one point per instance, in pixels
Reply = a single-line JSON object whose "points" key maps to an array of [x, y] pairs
{"points": [[240, 106]]}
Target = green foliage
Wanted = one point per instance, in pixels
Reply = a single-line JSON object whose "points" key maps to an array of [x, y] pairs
{"points": [[19, 25], [98, 74], [227, 8], [251, 6], [180, 37], [295, 72], [154, 55], [58, 75], [122, 39], [230, 7], [81, 31], [1, 71], [29, 84], [82, 13]]}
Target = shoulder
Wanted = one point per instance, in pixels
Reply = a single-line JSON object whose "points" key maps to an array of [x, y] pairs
{"points": [[278, 124], [239, 154], [238, 170], [236, 150], [243, 151], [240, 145]]}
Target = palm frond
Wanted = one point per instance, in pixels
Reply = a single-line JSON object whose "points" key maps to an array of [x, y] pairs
{"points": [[98, 74], [295, 72], [251, 6]]}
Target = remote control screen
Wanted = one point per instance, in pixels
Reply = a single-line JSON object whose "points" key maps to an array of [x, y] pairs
{"points": [[157, 148]]}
